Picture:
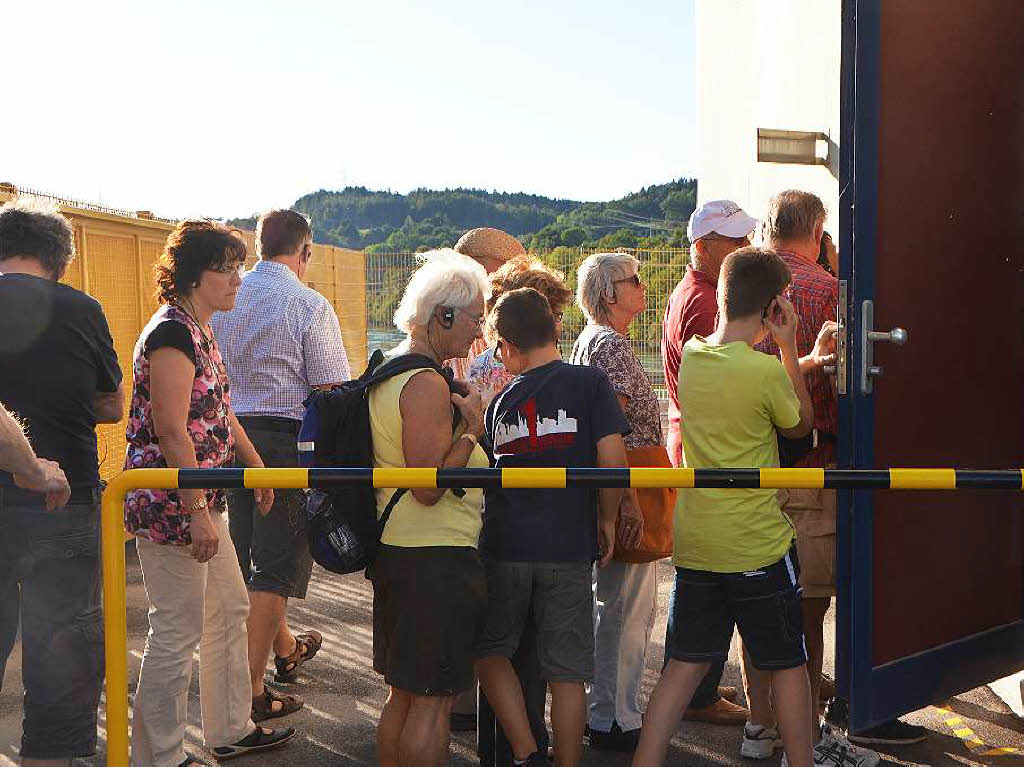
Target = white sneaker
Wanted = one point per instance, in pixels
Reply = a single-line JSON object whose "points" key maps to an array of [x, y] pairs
{"points": [[833, 750], [759, 742]]}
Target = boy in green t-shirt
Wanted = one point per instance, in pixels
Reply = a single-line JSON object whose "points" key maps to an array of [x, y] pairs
{"points": [[734, 554]]}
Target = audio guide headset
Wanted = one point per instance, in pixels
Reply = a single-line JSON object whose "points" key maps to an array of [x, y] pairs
{"points": [[447, 317]]}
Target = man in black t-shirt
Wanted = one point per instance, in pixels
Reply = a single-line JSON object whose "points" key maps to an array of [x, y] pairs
{"points": [[539, 545], [59, 375]]}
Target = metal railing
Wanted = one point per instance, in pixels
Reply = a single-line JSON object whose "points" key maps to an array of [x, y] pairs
{"points": [[112, 517], [388, 273]]}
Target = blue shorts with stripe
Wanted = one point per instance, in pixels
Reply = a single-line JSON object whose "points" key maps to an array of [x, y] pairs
{"points": [[764, 604]]}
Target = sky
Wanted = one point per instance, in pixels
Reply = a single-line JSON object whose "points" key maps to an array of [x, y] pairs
{"points": [[223, 108]]}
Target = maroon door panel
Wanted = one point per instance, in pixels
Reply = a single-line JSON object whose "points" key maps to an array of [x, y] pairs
{"points": [[949, 267]]}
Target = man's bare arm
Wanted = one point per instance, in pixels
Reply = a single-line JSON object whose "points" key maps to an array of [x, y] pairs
{"points": [[30, 472]]}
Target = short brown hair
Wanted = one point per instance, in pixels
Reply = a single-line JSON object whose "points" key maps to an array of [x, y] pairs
{"points": [[526, 272], [34, 228], [281, 233], [750, 279], [523, 317], [792, 215], [193, 247]]}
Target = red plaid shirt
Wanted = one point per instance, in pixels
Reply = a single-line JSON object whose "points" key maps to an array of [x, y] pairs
{"points": [[815, 296]]}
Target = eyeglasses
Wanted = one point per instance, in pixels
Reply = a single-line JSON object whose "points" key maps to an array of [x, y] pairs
{"points": [[635, 279], [231, 268], [479, 320]]}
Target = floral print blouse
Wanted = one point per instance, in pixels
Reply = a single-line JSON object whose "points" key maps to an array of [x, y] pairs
{"points": [[488, 376], [605, 348], [157, 514]]}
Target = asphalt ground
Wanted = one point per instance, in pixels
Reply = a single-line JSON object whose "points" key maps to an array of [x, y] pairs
{"points": [[344, 697]]}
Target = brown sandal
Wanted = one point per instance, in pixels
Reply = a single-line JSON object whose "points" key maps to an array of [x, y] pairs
{"points": [[263, 706], [307, 645]]}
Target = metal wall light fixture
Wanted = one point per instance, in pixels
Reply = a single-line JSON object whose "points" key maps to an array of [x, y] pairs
{"points": [[793, 147]]}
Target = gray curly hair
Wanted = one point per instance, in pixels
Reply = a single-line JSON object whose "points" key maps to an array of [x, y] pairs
{"points": [[31, 227], [595, 282]]}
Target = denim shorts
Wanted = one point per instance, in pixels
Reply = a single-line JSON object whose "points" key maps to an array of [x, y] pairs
{"points": [[560, 596], [763, 603], [54, 558], [272, 549]]}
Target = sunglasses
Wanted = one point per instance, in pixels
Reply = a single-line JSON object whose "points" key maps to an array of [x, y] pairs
{"points": [[635, 279]]}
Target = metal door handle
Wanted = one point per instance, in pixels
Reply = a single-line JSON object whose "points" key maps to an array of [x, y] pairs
{"points": [[868, 369]]}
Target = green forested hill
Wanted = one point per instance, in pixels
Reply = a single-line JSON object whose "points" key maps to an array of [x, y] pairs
{"points": [[362, 219]]}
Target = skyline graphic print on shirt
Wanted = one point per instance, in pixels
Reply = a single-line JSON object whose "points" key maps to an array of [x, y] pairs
{"points": [[532, 433]]}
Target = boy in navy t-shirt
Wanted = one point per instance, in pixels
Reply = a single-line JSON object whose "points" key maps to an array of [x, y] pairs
{"points": [[539, 545]]}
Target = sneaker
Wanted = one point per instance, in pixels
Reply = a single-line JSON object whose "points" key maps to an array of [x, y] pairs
{"points": [[615, 739], [260, 739], [833, 750], [759, 742], [894, 733]]}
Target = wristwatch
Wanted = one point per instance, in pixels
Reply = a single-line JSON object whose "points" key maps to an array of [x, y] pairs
{"points": [[199, 505]]}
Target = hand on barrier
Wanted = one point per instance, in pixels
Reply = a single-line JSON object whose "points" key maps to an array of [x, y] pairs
{"points": [[48, 479], [264, 499], [204, 536], [629, 527]]}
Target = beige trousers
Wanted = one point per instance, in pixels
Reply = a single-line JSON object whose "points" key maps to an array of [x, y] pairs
{"points": [[191, 604]]}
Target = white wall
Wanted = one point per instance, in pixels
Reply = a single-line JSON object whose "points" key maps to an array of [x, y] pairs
{"points": [[765, 64]]}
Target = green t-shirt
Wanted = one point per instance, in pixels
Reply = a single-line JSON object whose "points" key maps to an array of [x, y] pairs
{"points": [[731, 398]]}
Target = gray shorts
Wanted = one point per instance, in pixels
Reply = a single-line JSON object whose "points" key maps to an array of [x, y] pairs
{"points": [[560, 595], [272, 550]]}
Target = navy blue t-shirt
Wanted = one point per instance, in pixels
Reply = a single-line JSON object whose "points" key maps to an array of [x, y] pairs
{"points": [[553, 415]]}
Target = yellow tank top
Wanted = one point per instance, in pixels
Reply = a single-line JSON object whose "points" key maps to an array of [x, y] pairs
{"points": [[452, 521]]}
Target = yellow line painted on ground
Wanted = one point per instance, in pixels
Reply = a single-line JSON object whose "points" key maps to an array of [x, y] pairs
{"points": [[973, 743]]}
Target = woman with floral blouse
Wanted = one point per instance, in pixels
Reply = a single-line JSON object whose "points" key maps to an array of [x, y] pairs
{"points": [[181, 417]]}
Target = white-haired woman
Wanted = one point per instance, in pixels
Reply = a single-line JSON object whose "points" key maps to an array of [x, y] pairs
{"points": [[428, 583], [611, 294]]}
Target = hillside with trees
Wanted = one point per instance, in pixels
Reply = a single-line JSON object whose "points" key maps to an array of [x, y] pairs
{"points": [[362, 219]]}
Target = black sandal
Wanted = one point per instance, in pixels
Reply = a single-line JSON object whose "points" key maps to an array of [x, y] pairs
{"points": [[263, 706], [307, 645], [260, 739]]}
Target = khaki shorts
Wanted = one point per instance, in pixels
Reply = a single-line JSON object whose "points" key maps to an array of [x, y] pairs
{"points": [[813, 513]]}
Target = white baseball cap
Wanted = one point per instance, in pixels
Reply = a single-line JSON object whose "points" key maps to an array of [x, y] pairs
{"points": [[723, 217]]}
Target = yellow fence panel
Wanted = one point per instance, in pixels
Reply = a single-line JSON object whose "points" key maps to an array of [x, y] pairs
{"points": [[115, 254]]}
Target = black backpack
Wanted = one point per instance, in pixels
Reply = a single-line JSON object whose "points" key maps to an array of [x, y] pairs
{"points": [[342, 524]]}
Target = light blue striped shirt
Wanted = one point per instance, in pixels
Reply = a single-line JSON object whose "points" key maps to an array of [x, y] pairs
{"points": [[281, 339]]}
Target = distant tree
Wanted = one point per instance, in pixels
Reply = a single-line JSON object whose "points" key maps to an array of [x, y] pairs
{"points": [[574, 236], [679, 205]]}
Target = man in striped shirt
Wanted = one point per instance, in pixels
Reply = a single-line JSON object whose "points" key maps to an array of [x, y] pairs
{"points": [[281, 340]]}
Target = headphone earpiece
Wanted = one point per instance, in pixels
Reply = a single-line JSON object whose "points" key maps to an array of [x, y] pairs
{"points": [[447, 318]]}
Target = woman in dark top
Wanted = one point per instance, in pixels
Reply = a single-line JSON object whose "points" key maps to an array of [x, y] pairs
{"points": [[181, 416]]}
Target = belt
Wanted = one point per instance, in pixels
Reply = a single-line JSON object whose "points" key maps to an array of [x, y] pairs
{"points": [[16, 496], [271, 423]]}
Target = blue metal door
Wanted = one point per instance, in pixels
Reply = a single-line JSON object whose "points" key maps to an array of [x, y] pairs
{"points": [[931, 585]]}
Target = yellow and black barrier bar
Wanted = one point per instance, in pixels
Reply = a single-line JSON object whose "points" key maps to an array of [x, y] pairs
{"points": [[847, 479], [112, 521]]}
